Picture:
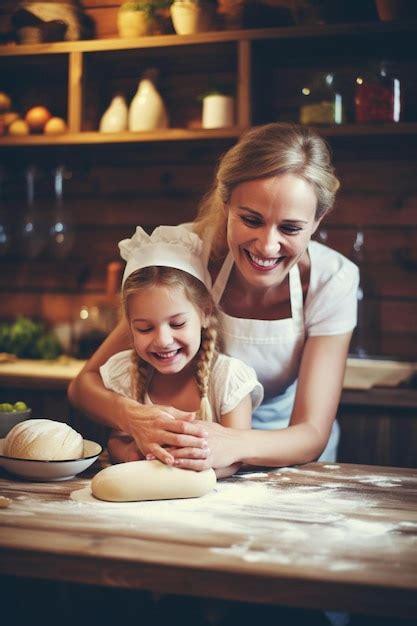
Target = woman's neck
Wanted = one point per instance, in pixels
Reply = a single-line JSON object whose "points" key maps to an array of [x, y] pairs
{"points": [[243, 300]]}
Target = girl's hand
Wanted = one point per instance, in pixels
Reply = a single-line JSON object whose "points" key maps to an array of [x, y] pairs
{"points": [[221, 453], [156, 428]]}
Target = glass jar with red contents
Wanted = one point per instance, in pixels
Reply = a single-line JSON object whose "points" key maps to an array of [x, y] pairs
{"points": [[378, 95]]}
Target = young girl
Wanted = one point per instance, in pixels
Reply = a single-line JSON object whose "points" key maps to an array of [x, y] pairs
{"points": [[173, 326]]}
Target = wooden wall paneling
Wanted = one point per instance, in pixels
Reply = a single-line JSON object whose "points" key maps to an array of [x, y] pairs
{"points": [[48, 275], [377, 436], [400, 317], [402, 345], [369, 207], [389, 269], [42, 83], [105, 20], [104, 15], [382, 176], [53, 308]]}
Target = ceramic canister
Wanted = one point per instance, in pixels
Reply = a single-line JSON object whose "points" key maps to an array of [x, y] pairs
{"points": [[218, 111]]}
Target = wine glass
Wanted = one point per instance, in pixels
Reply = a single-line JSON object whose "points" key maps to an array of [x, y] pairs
{"points": [[61, 231]]}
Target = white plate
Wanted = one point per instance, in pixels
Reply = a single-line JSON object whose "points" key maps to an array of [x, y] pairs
{"points": [[51, 470]]}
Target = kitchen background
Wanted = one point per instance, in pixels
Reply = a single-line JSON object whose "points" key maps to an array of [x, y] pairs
{"points": [[99, 186]]}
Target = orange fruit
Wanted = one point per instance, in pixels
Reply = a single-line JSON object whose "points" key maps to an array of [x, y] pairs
{"points": [[5, 101], [55, 126], [37, 117], [19, 128]]}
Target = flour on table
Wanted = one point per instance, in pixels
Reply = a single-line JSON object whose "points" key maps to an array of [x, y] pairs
{"points": [[289, 523]]}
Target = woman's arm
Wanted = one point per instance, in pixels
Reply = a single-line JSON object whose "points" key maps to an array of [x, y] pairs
{"points": [[241, 418], [152, 427], [319, 386]]}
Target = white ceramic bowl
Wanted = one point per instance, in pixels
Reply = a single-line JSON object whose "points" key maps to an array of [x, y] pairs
{"points": [[51, 470], [8, 419]]}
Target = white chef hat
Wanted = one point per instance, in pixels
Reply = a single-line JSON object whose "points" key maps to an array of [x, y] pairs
{"points": [[168, 246]]}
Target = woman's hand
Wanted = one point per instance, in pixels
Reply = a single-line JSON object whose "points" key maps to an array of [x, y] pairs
{"points": [[221, 452], [156, 428]]}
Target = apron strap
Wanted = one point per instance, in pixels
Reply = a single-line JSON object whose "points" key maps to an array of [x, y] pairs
{"points": [[296, 291], [222, 278], [296, 299]]}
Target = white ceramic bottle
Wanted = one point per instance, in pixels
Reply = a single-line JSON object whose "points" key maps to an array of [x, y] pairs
{"points": [[147, 110], [114, 119]]}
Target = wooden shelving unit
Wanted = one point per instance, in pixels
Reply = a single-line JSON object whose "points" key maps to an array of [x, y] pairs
{"points": [[84, 60]]}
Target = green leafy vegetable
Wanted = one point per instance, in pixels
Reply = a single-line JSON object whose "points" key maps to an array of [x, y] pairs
{"points": [[28, 339]]}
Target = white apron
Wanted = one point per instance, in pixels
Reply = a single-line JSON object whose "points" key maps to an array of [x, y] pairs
{"points": [[274, 348]]}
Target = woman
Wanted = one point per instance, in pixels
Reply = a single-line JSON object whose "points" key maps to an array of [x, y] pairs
{"points": [[288, 309]]}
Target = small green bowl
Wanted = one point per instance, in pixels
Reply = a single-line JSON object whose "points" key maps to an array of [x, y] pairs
{"points": [[8, 419]]}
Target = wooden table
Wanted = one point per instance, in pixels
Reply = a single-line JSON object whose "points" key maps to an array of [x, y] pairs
{"points": [[328, 536]]}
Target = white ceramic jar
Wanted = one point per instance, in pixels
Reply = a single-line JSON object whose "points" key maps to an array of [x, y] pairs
{"points": [[218, 111], [147, 110], [114, 119]]}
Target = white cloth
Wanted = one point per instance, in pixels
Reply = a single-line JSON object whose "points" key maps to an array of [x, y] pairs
{"points": [[230, 382], [274, 348]]}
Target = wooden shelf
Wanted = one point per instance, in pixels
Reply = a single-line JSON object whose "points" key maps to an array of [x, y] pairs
{"points": [[170, 134], [289, 32], [183, 134]]}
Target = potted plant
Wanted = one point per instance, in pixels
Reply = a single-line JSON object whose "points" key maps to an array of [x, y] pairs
{"points": [[192, 16], [136, 19]]}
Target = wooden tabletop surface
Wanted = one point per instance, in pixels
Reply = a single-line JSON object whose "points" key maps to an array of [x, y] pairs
{"points": [[328, 536]]}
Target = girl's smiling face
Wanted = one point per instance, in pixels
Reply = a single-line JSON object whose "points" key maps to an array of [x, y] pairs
{"points": [[165, 327], [269, 226]]}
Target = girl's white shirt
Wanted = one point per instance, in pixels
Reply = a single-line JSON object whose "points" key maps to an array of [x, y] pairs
{"points": [[230, 382]]}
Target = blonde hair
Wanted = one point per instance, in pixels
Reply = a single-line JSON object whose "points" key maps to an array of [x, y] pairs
{"points": [[199, 296], [264, 151]]}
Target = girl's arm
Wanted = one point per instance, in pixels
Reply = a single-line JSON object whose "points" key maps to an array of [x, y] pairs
{"points": [[152, 427], [319, 386]]}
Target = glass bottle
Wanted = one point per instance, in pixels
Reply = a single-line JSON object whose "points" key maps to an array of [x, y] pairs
{"points": [[5, 235], [378, 95], [364, 341], [322, 101], [358, 347], [33, 229], [94, 323], [61, 231]]}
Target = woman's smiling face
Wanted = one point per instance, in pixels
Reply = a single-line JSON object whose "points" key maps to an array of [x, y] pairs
{"points": [[270, 222]]}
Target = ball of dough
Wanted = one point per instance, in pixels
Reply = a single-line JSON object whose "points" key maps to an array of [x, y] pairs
{"points": [[150, 480], [43, 440]]}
